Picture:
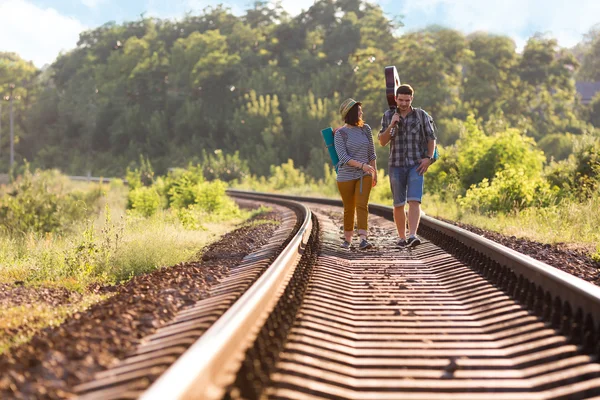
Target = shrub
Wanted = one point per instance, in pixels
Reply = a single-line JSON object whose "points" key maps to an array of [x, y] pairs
{"points": [[286, 176], [511, 189], [557, 146], [226, 168], [38, 202], [142, 176], [144, 201], [181, 186]]}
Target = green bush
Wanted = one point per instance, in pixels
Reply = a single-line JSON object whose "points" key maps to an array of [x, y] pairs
{"points": [[557, 146], [142, 176], [286, 176], [189, 218], [211, 196], [40, 203], [560, 175], [144, 201], [181, 186], [587, 171], [226, 168], [511, 189], [578, 176]]}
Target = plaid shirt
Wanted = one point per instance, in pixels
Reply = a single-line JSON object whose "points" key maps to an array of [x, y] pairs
{"points": [[409, 144]]}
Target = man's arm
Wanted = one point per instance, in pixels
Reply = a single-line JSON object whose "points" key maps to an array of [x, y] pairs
{"points": [[384, 138], [431, 148], [385, 134]]}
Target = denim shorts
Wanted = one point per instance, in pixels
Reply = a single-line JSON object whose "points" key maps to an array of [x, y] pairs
{"points": [[406, 184]]}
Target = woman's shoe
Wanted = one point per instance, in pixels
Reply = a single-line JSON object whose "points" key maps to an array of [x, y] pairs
{"points": [[345, 245], [364, 245]]}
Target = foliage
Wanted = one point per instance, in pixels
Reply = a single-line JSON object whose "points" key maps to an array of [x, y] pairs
{"points": [[183, 187], [594, 111], [144, 200], [109, 251], [186, 193], [578, 176], [285, 175], [38, 202], [557, 146], [510, 189], [262, 85], [477, 156], [225, 167], [142, 176], [590, 64], [23, 76]]}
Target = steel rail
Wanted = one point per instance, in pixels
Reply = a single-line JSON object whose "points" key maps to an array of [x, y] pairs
{"points": [[210, 364], [567, 303], [566, 288]]}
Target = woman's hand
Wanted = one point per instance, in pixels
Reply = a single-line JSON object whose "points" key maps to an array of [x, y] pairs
{"points": [[368, 169], [375, 178]]}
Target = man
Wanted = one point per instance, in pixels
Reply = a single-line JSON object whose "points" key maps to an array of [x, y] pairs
{"points": [[411, 153]]}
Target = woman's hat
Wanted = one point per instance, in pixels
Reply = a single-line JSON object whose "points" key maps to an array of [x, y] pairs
{"points": [[347, 105]]}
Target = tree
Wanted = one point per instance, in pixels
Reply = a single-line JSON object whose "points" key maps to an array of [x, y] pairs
{"points": [[590, 56], [17, 77]]}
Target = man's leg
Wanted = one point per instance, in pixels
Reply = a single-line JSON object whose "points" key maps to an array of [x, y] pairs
{"points": [[400, 220], [414, 195], [414, 217], [398, 181]]}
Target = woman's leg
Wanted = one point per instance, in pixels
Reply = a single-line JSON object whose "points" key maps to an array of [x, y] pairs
{"points": [[347, 192], [362, 205]]}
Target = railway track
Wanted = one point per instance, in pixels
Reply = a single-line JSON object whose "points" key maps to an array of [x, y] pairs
{"points": [[456, 317]]}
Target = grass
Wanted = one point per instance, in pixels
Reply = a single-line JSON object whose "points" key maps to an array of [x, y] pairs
{"points": [[111, 247], [106, 253], [572, 223]]}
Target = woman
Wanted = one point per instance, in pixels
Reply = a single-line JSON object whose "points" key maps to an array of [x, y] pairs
{"points": [[357, 170]]}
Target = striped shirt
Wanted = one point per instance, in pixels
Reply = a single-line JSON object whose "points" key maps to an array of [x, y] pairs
{"points": [[353, 143], [409, 144]]}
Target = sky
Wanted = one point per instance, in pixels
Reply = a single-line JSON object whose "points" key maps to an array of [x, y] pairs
{"points": [[38, 30]]}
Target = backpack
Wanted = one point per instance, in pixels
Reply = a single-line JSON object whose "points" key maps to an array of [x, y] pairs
{"points": [[420, 113], [328, 137]]}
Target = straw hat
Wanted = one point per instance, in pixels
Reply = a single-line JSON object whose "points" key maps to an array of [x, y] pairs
{"points": [[347, 105]]}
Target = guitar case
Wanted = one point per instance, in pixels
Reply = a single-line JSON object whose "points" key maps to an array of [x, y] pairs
{"points": [[392, 82]]}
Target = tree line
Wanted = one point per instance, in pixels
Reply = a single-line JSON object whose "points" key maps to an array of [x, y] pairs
{"points": [[264, 84]]}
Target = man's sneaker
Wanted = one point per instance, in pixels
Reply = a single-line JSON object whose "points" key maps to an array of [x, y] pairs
{"points": [[402, 243], [364, 245], [345, 244], [413, 241]]}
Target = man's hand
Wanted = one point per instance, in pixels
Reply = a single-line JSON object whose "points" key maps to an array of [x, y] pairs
{"points": [[424, 164], [395, 119]]}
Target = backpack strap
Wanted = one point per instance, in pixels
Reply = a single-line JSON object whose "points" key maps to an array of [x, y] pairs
{"points": [[420, 113]]}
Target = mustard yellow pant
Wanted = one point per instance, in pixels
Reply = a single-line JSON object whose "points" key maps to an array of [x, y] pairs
{"points": [[353, 200]]}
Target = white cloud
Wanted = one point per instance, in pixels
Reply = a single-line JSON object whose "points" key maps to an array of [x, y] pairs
{"points": [[295, 7], [565, 21], [36, 34], [92, 3]]}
